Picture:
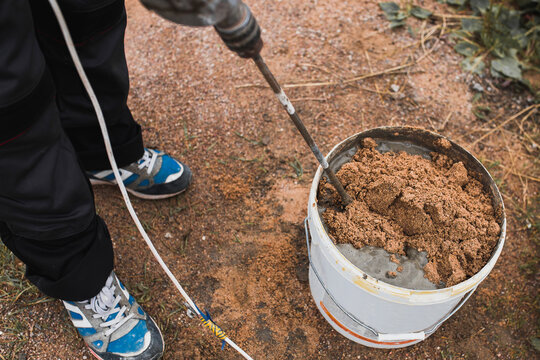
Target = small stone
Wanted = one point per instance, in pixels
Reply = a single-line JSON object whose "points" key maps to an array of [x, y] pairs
{"points": [[477, 87], [394, 87], [204, 238], [397, 96], [168, 235], [417, 97]]}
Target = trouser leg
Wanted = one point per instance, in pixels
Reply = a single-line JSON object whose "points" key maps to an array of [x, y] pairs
{"points": [[47, 215], [97, 28]]}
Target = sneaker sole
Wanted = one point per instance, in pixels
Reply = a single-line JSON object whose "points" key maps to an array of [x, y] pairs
{"points": [[136, 193], [156, 358]]}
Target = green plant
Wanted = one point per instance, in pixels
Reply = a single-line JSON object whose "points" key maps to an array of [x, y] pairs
{"points": [[397, 16], [504, 35], [298, 168]]}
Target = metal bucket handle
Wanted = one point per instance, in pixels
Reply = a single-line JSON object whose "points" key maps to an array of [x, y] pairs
{"points": [[421, 335]]}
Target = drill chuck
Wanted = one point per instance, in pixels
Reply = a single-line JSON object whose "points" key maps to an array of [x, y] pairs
{"points": [[244, 35]]}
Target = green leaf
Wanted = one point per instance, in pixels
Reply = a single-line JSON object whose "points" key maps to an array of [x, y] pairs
{"points": [[484, 109], [400, 16], [507, 66], [466, 48], [479, 114], [473, 64], [390, 9], [393, 14], [477, 96], [499, 50], [479, 5], [396, 23], [510, 18], [420, 13], [456, 2], [471, 25], [458, 35], [519, 36], [535, 343]]}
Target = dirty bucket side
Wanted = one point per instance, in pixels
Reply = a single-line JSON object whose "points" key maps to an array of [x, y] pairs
{"points": [[369, 311], [362, 312]]}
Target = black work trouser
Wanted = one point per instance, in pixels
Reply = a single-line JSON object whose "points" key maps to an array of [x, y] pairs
{"points": [[49, 135]]}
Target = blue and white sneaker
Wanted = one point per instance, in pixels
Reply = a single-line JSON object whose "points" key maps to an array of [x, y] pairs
{"points": [[154, 176], [114, 326]]}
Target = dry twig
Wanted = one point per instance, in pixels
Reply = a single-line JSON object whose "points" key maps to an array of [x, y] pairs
{"points": [[443, 125], [514, 172], [371, 69], [531, 109], [309, 99], [453, 16]]}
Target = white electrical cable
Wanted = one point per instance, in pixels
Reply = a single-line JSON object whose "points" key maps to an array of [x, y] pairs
{"points": [[108, 147]]}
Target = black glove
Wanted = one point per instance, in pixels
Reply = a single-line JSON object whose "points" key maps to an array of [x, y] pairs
{"points": [[243, 35]]}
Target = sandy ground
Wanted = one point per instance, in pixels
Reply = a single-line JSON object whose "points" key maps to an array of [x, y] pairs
{"points": [[235, 239]]}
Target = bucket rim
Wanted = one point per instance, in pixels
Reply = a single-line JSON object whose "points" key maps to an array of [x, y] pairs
{"points": [[371, 283]]}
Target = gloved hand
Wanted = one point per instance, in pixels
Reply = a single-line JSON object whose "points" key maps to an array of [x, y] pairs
{"points": [[232, 19], [193, 12]]}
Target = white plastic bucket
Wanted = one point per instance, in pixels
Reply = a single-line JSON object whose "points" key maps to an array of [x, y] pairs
{"points": [[369, 311]]}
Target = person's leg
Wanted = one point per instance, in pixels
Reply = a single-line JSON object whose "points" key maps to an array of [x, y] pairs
{"points": [[47, 215], [97, 28], [46, 203]]}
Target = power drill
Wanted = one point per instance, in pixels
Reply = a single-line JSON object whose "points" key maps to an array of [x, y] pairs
{"points": [[236, 25], [232, 20]]}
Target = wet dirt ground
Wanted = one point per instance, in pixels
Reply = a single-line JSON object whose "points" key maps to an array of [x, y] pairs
{"points": [[235, 239]]}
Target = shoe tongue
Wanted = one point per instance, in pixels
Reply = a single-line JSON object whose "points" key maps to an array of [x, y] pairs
{"points": [[106, 299], [106, 296], [109, 281]]}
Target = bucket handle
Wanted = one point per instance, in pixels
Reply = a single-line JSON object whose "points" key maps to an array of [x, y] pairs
{"points": [[420, 335]]}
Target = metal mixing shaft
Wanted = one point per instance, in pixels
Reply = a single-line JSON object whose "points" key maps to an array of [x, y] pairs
{"points": [[300, 126]]}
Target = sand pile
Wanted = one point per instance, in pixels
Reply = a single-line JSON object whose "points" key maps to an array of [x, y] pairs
{"points": [[403, 200]]}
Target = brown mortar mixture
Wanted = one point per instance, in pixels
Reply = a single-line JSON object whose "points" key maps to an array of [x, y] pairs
{"points": [[403, 200]]}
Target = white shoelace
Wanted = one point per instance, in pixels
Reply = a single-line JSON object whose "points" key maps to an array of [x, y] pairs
{"points": [[148, 160], [104, 304]]}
